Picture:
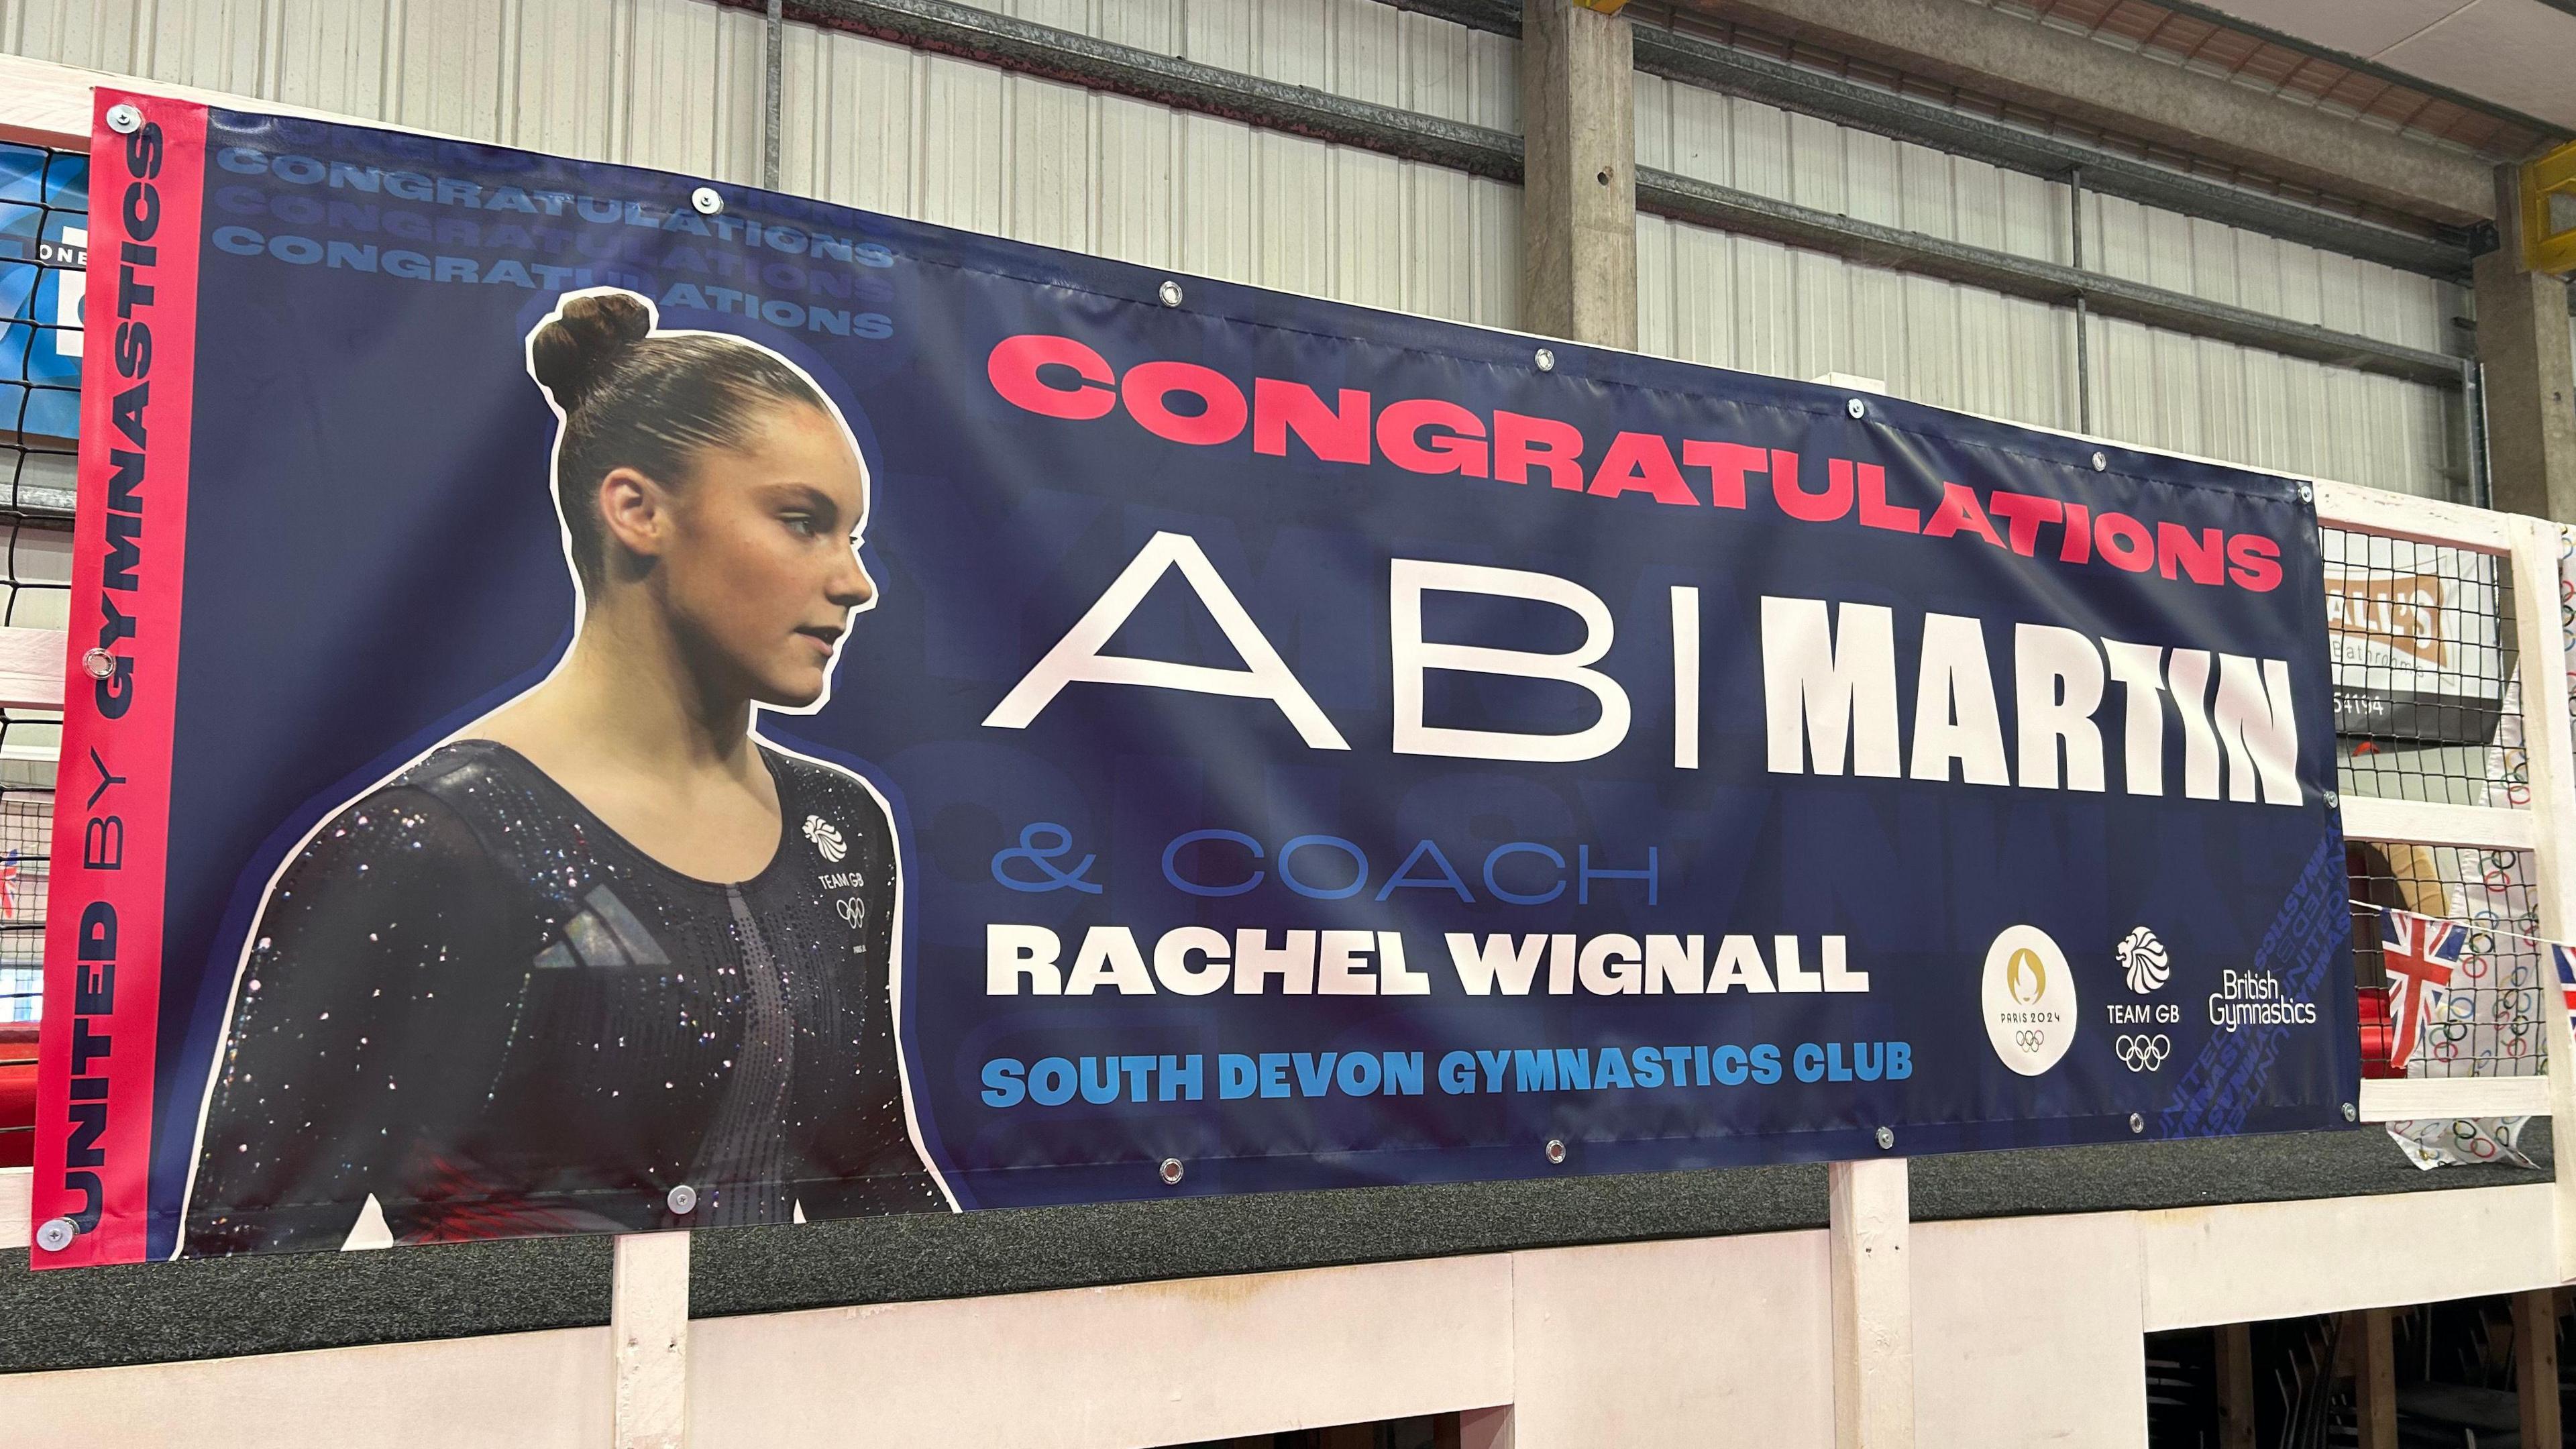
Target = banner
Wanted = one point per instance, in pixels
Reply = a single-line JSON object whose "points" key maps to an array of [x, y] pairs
{"points": [[2417, 659], [606, 703]]}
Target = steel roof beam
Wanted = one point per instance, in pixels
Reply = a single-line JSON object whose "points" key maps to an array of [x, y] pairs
{"points": [[1867, 243], [2084, 80], [1696, 60]]}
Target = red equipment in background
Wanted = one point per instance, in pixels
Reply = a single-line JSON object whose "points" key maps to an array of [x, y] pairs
{"points": [[2378, 1034], [17, 1093]]}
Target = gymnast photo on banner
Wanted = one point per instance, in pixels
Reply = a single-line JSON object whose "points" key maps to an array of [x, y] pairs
{"points": [[606, 942]]}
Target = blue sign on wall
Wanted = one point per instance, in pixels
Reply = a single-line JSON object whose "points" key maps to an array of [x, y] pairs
{"points": [[44, 247]]}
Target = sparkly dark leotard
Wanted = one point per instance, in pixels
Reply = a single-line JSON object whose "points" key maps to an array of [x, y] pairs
{"points": [[471, 999]]}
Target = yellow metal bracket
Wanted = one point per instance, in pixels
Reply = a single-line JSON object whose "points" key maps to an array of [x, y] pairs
{"points": [[2549, 212]]}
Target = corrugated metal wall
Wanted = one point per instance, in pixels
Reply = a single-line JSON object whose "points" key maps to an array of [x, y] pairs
{"points": [[882, 127], [665, 83], [1738, 302], [676, 84]]}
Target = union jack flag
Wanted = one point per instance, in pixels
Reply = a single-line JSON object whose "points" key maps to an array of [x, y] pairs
{"points": [[2420, 953], [2565, 956], [9, 887]]}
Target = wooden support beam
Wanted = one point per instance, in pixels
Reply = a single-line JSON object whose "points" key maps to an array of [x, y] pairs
{"points": [[648, 1332], [2235, 1385], [2549, 745], [1873, 1299], [2370, 1344], [2535, 1364]]}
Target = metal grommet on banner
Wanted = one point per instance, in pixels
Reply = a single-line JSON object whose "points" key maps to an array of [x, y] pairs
{"points": [[1546, 359], [1555, 1149], [2307, 494], [1170, 292], [1856, 407], [2351, 1113], [98, 663], [1171, 1169], [2100, 463], [683, 1199], [56, 1234], [2137, 1123], [124, 119], [2333, 800], [1886, 1138], [707, 201]]}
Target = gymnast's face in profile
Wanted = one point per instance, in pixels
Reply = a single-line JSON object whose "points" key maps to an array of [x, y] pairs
{"points": [[754, 560]]}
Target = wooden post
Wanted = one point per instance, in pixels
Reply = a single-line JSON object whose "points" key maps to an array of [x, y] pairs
{"points": [[648, 1331], [2551, 752], [2373, 1355], [2535, 1363], [1873, 1295], [2235, 1385]]}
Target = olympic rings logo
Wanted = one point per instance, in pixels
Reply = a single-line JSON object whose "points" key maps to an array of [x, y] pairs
{"points": [[2471, 1140], [2143, 1053]]}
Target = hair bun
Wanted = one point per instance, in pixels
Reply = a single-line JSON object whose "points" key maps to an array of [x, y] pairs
{"points": [[581, 346]]}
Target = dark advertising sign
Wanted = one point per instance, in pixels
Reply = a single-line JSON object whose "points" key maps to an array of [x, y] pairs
{"points": [[607, 704]]}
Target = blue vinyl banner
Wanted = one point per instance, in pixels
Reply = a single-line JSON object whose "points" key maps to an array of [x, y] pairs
{"points": [[1255, 743]]}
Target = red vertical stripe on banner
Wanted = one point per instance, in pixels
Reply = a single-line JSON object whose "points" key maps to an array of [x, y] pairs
{"points": [[94, 1060]]}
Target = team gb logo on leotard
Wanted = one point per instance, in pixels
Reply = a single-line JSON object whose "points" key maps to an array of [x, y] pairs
{"points": [[826, 839]]}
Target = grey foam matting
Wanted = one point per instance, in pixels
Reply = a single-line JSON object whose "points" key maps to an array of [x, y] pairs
{"points": [[157, 1312]]}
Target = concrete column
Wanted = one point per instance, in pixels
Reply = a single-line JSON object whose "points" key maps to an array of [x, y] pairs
{"points": [[2530, 375], [1579, 194]]}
